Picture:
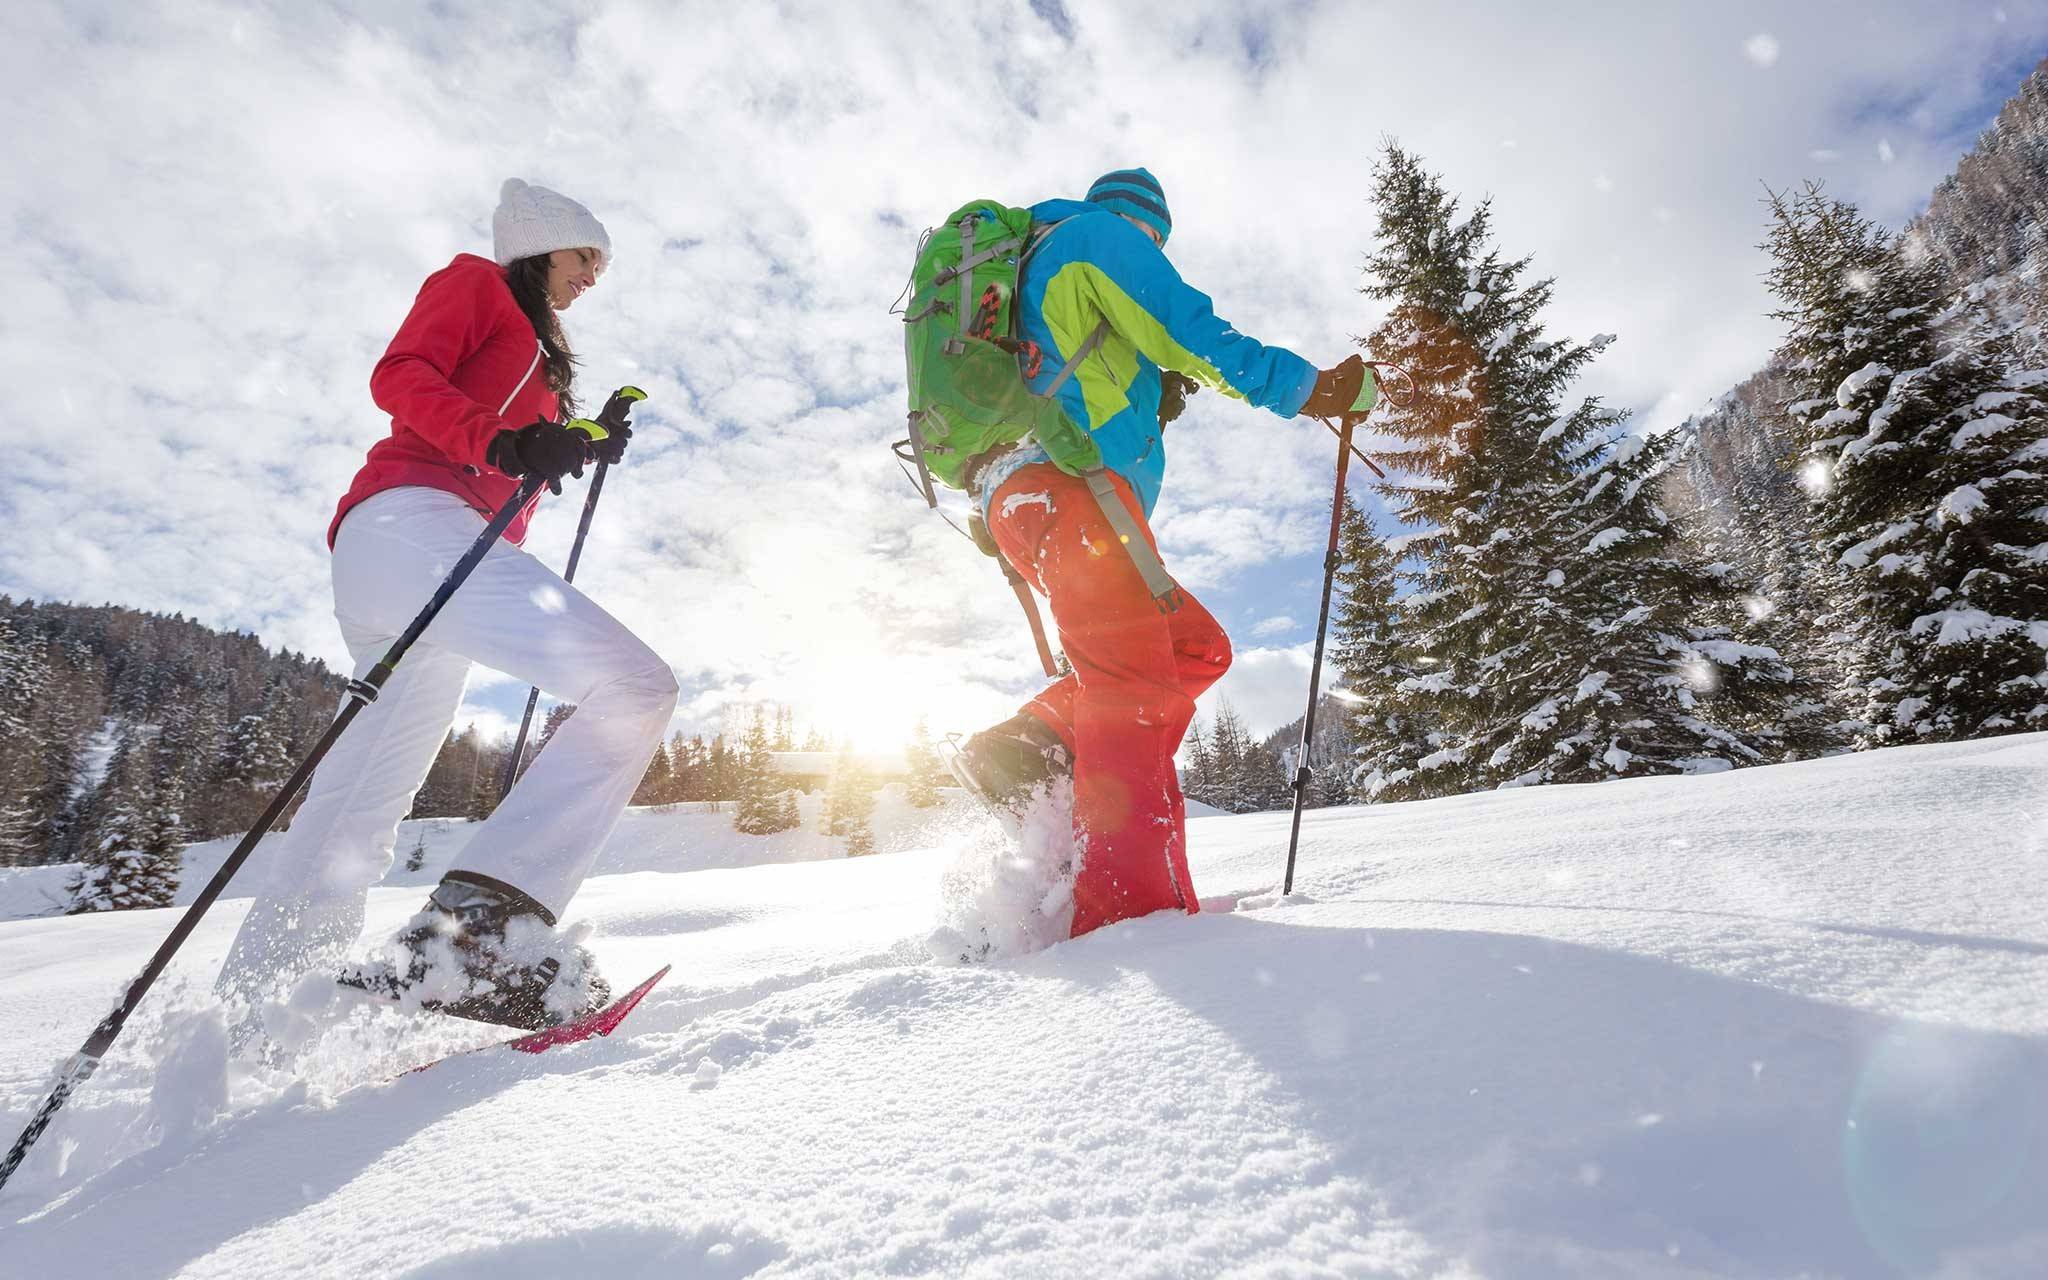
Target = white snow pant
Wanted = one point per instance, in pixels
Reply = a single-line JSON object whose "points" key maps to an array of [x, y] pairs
{"points": [[513, 614]]}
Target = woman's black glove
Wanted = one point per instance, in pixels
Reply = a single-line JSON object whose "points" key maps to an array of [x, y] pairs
{"points": [[540, 448], [1174, 390], [616, 420]]}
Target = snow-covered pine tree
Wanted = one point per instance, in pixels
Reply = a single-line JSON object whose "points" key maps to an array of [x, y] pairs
{"points": [[1549, 594], [850, 802], [849, 795], [1389, 730], [136, 852], [927, 774], [758, 787], [1927, 458], [19, 841], [1671, 675], [255, 761], [22, 671]]}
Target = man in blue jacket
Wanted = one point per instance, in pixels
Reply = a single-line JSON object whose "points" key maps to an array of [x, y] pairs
{"points": [[1095, 280]]}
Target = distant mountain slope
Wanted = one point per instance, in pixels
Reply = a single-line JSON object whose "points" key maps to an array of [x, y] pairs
{"points": [[1986, 223], [220, 718]]}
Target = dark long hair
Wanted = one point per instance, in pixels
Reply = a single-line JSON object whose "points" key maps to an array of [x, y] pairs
{"points": [[529, 280]]}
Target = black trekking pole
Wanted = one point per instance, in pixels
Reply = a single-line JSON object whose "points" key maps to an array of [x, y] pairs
{"points": [[361, 693], [1302, 773], [622, 399], [1345, 451]]}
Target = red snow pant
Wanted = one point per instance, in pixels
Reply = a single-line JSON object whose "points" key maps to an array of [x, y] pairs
{"points": [[1127, 705]]}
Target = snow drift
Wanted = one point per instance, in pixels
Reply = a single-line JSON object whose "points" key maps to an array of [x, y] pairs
{"points": [[1772, 1022]]}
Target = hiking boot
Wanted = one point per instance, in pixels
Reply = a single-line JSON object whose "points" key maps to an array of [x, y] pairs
{"points": [[1006, 764], [487, 952]]}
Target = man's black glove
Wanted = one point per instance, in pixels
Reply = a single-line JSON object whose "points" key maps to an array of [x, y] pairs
{"points": [[1174, 390], [1338, 390], [618, 426], [540, 448]]}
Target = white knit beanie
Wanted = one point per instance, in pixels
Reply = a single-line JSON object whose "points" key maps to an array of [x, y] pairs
{"points": [[531, 220]]}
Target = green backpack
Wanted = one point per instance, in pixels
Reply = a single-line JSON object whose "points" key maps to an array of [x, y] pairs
{"points": [[966, 365]]}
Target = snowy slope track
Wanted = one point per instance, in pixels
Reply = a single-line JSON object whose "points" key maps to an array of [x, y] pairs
{"points": [[1785, 1021]]}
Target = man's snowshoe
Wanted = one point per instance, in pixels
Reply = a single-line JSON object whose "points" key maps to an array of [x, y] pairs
{"points": [[1005, 765], [489, 953]]}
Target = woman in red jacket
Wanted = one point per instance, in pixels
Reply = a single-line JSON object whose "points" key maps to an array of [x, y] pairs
{"points": [[478, 382]]}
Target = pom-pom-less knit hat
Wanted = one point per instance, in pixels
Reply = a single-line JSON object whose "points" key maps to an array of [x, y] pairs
{"points": [[1136, 193], [531, 220]]}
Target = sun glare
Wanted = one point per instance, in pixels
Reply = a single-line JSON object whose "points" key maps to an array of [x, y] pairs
{"points": [[875, 705]]}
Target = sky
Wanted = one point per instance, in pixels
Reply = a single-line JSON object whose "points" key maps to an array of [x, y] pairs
{"points": [[213, 216]]}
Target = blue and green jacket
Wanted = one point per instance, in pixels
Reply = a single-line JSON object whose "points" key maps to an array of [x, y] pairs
{"points": [[1095, 266]]}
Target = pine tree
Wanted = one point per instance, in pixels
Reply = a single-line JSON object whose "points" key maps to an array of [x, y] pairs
{"points": [[850, 795], [656, 782], [18, 839], [1198, 777], [850, 802], [688, 770], [721, 771], [255, 761], [1550, 594], [1248, 775], [136, 853], [416, 857], [486, 776], [1389, 730], [23, 671], [1226, 759], [759, 791], [556, 717], [927, 774], [446, 790], [1927, 457]]}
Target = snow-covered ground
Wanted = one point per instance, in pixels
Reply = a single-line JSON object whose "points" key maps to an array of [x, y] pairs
{"points": [[1780, 1022]]}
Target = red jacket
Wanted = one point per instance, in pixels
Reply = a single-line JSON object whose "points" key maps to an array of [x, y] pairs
{"points": [[464, 366]]}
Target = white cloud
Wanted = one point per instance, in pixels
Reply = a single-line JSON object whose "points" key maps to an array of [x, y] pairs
{"points": [[1273, 626], [1267, 687], [201, 281], [1762, 49]]}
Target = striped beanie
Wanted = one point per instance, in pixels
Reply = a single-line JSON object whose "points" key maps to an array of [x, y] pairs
{"points": [[1137, 193]]}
